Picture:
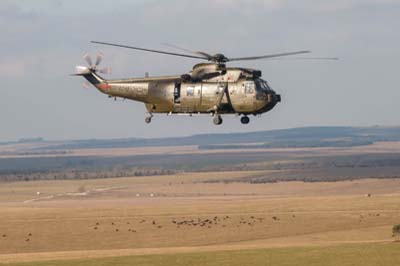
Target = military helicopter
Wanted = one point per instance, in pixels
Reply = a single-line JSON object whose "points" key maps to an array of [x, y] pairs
{"points": [[209, 88]]}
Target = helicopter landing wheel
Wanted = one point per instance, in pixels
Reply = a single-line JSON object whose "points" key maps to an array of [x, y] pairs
{"points": [[217, 120], [148, 119], [244, 119]]}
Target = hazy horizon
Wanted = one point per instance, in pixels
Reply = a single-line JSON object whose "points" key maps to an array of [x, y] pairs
{"points": [[31, 138], [43, 40]]}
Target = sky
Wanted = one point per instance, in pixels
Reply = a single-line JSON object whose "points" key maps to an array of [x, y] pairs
{"points": [[43, 40]]}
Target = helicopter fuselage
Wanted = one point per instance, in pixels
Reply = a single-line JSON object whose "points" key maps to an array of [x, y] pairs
{"points": [[239, 91]]}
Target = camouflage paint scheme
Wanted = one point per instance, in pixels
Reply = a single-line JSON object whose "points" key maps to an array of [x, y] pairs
{"points": [[208, 88]]}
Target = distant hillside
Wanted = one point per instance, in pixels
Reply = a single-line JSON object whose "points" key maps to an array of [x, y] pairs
{"points": [[42, 159], [295, 137]]}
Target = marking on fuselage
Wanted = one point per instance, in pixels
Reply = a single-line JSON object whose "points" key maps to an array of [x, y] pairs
{"points": [[103, 86]]}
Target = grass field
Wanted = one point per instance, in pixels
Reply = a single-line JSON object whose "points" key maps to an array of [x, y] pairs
{"points": [[360, 254], [179, 220]]}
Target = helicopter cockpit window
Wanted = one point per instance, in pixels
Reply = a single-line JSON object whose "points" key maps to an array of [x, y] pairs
{"points": [[190, 91], [248, 87], [262, 85]]}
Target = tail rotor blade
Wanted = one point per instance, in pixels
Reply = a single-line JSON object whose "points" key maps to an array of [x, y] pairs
{"points": [[99, 57], [88, 59], [86, 85], [106, 70]]}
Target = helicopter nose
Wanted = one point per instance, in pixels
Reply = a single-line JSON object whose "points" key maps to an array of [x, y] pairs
{"points": [[274, 98]]}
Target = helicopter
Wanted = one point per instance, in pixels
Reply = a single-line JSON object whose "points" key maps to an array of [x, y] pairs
{"points": [[209, 88]]}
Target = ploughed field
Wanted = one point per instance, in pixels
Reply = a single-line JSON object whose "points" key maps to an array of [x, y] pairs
{"points": [[192, 219]]}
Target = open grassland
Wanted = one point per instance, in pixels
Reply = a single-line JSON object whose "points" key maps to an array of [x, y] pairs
{"points": [[203, 184], [180, 220], [345, 255]]}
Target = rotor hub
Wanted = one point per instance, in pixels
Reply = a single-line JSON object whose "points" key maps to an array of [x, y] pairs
{"points": [[219, 58]]}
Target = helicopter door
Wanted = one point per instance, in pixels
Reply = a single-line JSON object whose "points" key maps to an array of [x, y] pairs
{"points": [[177, 93], [190, 97]]}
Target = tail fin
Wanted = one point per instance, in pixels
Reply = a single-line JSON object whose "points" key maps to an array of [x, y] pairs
{"points": [[89, 74]]}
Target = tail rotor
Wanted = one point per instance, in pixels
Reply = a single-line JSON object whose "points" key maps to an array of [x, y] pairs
{"points": [[91, 68]]}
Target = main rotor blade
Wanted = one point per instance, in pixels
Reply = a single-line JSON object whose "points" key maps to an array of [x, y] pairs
{"points": [[307, 58], [267, 56], [209, 57], [177, 47], [149, 50]]}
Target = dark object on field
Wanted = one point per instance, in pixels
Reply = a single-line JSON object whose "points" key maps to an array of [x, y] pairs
{"points": [[396, 231], [116, 230], [154, 222], [29, 234], [95, 228], [112, 223], [27, 240], [275, 218], [97, 223], [4, 235]]}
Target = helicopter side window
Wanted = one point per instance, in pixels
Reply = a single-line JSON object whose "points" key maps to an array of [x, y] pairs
{"points": [[177, 93], [190, 91], [248, 87]]}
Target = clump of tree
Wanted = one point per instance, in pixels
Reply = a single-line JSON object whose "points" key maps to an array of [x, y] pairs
{"points": [[70, 174], [396, 231], [81, 189]]}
